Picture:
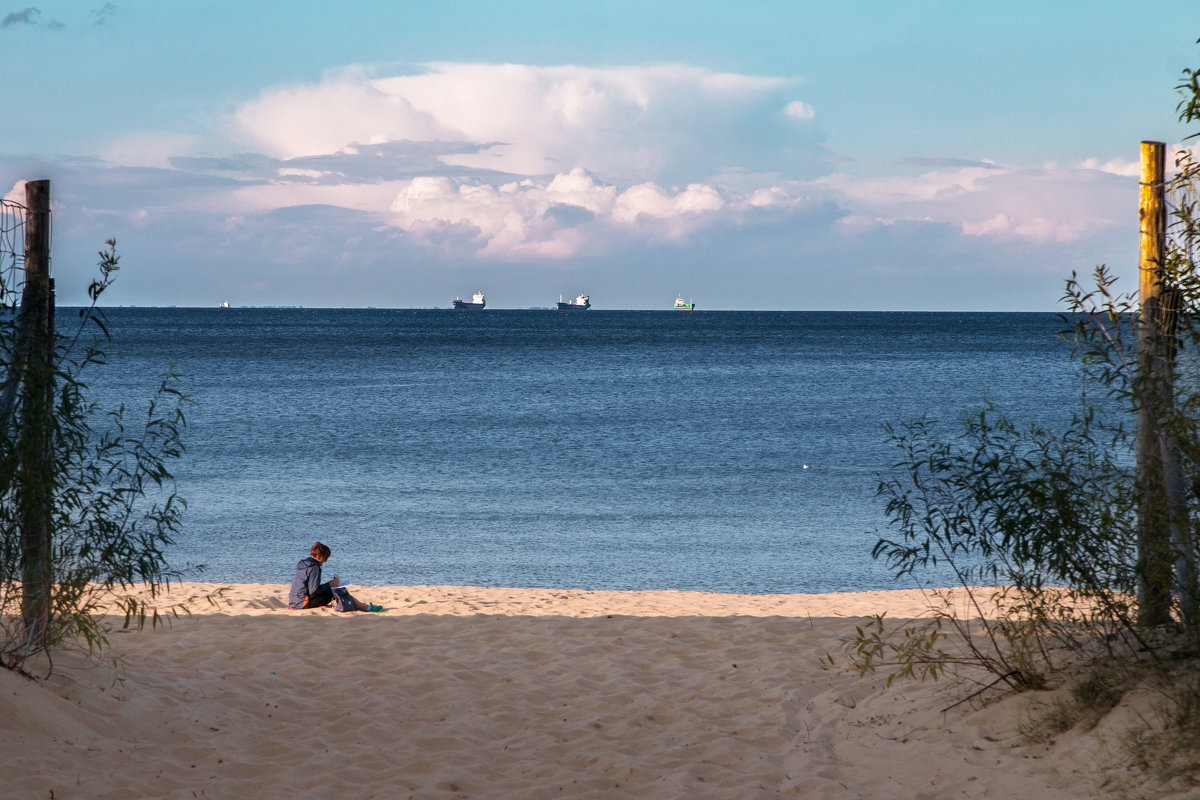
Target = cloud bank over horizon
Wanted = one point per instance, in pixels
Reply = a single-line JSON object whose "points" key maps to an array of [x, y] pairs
{"points": [[401, 187]]}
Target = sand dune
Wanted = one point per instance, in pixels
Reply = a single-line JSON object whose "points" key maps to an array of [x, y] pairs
{"points": [[463, 692]]}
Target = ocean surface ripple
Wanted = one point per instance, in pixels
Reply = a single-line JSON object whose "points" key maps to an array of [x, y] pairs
{"points": [[717, 451]]}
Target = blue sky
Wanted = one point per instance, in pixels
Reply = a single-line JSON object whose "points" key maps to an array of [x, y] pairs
{"points": [[757, 155]]}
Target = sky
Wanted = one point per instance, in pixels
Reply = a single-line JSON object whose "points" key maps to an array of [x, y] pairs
{"points": [[757, 154]]}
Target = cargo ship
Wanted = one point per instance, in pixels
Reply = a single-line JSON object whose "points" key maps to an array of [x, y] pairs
{"points": [[580, 303], [682, 306], [477, 302]]}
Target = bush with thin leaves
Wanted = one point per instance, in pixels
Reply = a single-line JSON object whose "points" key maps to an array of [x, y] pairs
{"points": [[112, 504], [1056, 520]]}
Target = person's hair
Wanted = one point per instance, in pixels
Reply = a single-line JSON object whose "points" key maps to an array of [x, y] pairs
{"points": [[319, 551]]}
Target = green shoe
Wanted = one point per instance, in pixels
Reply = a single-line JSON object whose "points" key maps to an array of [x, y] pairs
{"points": [[373, 607]]}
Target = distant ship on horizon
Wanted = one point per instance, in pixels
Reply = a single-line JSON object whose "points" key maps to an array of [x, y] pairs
{"points": [[580, 303], [224, 304], [682, 306], [477, 302]]}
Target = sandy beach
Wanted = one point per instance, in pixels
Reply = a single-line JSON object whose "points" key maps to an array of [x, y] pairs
{"points": [[462, 692]]}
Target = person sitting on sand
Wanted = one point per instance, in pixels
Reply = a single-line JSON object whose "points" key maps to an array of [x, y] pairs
{"points": [[307, 589]]}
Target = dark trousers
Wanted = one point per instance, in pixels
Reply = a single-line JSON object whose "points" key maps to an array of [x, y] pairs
{"points": [[323, 597]]}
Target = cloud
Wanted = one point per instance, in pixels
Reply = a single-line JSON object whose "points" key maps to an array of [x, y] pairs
{"points": [[905, 189], [502, 161], [509, 220], [103, 14], [499, 169], [353, 164], [1132, 169], [513, 161], [568, 215], [934, 163], [342, 111], [16, 194], [663, 122], [147, 148], [29, 16], [646, 200], [211, 228], [800, 110], [1113, 166], [562, 216], [1039, 205]]}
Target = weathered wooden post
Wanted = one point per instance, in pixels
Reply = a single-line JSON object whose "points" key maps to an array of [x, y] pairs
{"points": [[1154, 539], [35, 444]]}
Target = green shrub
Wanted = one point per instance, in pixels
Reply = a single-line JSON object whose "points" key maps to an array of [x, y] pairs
{"points": [[103, 483]]}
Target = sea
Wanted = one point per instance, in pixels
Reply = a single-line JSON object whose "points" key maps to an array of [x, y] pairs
{"points": [[720, 451]]}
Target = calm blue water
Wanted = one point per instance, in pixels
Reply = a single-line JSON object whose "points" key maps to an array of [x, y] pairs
{"points": [[602, 449]]}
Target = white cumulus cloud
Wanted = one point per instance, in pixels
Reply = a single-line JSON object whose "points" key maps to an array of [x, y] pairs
{"points": [[532, 161], [627, 123], [798, 109], [555, 218], [511, 162]]}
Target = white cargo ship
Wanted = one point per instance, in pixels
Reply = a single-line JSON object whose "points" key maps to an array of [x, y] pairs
{"points": [[580, 303], [477, 302]]}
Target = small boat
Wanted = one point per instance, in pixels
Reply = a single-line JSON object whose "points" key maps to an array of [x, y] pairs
{"points": [[580, 303], [682, 306], [224, 304], [476, 302]]}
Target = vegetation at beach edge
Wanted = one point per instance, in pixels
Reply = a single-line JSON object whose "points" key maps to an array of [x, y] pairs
{"points": [[98, 479], [1093, 562]]}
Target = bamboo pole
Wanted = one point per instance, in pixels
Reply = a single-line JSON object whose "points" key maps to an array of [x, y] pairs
{"points": [[35, 481]]}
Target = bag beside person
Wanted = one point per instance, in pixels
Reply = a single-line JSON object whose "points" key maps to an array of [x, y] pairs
{"points": [[343, 601]]}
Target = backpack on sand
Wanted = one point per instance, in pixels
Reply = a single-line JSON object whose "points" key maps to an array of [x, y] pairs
{"points": [[342, 601]]}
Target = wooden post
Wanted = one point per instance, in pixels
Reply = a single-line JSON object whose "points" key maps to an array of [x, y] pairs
{"points": [[1154, 539], [35, 445]]}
